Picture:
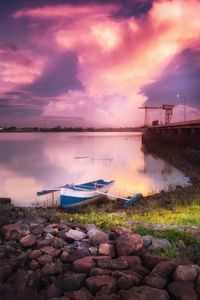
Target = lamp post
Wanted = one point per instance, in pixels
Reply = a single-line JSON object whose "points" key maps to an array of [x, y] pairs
{"points": [[184, 111]]}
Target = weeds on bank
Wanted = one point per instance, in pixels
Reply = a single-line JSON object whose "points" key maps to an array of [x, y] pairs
{"points": [[106, 215], [178, 214], [101, 216]]}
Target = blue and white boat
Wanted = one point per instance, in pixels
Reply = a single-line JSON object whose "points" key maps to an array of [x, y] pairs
{"points": [[77, 195]]}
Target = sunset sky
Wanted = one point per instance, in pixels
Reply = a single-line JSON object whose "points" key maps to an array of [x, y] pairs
{"points": [[93, 63]]}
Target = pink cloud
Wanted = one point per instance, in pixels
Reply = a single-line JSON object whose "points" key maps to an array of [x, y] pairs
{"points": [[67, 10], [118, 56], [18, 68]]}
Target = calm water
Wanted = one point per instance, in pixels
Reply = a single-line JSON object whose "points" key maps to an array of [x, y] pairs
{"points": [[30, 162]]}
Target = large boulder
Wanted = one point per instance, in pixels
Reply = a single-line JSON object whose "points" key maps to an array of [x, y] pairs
{"points": [[36, 228], [155, 280], [28, 241], [128, 243], [52, 269], [187, 272], [83, 265], [147, 239], [182, 290], [119, 263], [75, 235], [12, 232], [150, 260], [166, 268], [107, 249], [95, 283], [35, 254], [70, 281], [162, 244], [97, 237], [145, 293], [45, 259], [51, 251]]}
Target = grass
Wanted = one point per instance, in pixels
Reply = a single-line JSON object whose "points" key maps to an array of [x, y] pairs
{"points": [[106, 217], [178, 214], [101, 216]]}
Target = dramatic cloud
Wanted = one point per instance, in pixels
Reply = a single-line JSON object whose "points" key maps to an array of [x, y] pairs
{"points": [[98, 61]]}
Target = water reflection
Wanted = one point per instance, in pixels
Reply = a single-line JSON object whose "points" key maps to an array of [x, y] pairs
{"points": [[30, 162]]}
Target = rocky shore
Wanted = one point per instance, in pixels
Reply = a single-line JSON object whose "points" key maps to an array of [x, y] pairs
{"points": [[43, 258]]}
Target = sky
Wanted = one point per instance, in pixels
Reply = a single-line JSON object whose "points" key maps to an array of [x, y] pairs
{"points": [[93, 63]]}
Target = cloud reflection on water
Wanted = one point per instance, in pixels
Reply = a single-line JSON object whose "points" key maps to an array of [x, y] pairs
{"points": [[31, 162]]}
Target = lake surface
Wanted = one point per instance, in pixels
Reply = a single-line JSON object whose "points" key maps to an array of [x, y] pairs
{"points": [[30, 162]]}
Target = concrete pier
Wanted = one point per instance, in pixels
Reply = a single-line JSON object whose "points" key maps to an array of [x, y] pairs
{"points": [[186, 134]]}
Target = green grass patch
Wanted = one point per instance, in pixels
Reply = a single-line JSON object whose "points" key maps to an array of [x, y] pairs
{"points": [[102, 216], [178, 214]]}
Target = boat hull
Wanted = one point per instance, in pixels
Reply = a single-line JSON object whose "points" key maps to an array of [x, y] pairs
{"points": [[72, 197]]}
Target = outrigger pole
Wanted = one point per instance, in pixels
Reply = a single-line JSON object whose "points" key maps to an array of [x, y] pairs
{"points": [[126, 202]]}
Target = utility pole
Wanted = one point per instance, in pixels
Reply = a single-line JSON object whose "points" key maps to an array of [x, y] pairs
{"points": [[184, 108]]}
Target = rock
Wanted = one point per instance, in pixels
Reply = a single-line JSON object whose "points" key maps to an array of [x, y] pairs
{"points": [[5, 272], [107, 249], [57, 242], [147, 240], [35, 254], [197, 286], [182, 290], [95, 283], [40, 220], [108, 297], [70, 281], [140, 270], [51, 229], [12, 235], [99, 271], [119, 263], [127, 281], [28, 241], [182, 261], [121, 230], [89, 227], [159, 244], [82, 294], [53, 291], [45, 259], [12, 232], [128, 243], [97, 237], [186, 273], [150, 260], [145, 293], [33, 265], [93, 250], [52, 269], [43, 243], [83, 265], [63, 257], [25, 293], [51, 251], [166, 268], [155, 280], [37, 229], [133, 260], [75, 235]]}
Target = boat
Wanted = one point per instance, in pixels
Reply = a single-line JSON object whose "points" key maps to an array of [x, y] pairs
{"points": [[72, 195]]}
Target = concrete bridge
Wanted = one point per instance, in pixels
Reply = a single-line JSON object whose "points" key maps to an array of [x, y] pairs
{"points": [[185, 134]]}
